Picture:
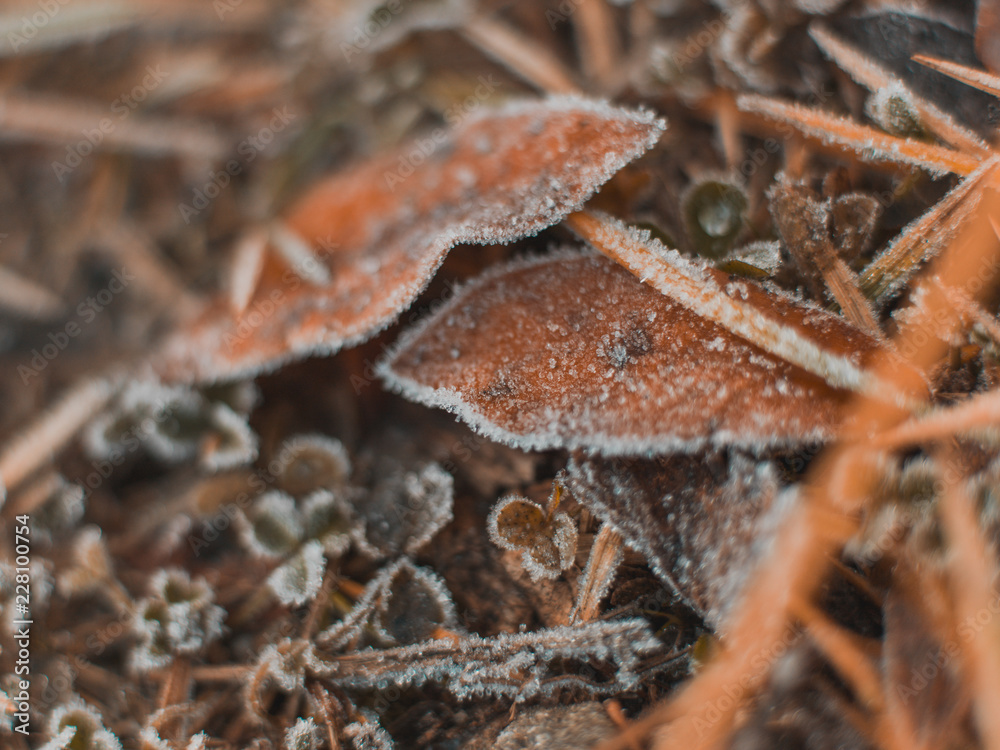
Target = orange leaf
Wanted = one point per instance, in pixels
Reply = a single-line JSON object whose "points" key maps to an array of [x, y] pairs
{"points": [[571, 351], [383, 228]]}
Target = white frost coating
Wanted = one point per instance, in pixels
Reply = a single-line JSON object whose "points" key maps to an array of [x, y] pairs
{"points": [[763, 254], [368, 734], [521, 666], [370, 612], [313, 459], [883, 83], [237, 443], [540, 562], [272, 526], [302, 735], [873, 146], [200, 355], [683, 280], [180, 617], [553, 436], [300, 578], [76, 717]]}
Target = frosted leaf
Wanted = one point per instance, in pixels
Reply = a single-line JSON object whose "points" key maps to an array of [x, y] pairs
{"points": [[383, 228], [702, 525], [77, 726], [309, 462], [403, 604], [299, 579], [368, 734], [331, 520], [579, 726], [403, 510], [786, 327], [610, 654], [571, 351], [173, 424], [272, 526], [179, 617], [547, 543], [302, 735]]}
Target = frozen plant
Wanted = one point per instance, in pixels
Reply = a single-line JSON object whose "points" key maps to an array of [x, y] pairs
{"points": [[302, 735], [300, 577], [405, 509], [367, 734], [178, 618], [77, 726], [172, 424], [403, 604], [546, 539], [310, 462]]}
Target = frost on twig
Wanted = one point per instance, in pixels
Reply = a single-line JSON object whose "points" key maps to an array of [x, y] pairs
{"points": [[597, 658]]}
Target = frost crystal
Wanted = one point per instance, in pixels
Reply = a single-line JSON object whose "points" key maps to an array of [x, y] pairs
{"points": [[299, 579], [382, 233], [547, 544], [272, 526], [178, 618], [626, 382], [368, 734]]}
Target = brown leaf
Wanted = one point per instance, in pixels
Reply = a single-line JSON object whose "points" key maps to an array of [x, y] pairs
{"points": [[700, 524], [382, 229], [571, 351]]}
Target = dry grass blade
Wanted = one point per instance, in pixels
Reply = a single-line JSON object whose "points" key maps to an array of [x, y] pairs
{"points": [[844, 653], [40, 441], [973, 577], [979, 412], [594, 23], [870, 144], [980, 79], [873, 76], [895, 265], [24, 297], [819, 343], [535, 65], [605, 557], [71, 25], [61, 121]]}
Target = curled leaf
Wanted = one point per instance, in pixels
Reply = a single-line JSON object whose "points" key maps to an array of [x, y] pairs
{"points": [[383, 228]]}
